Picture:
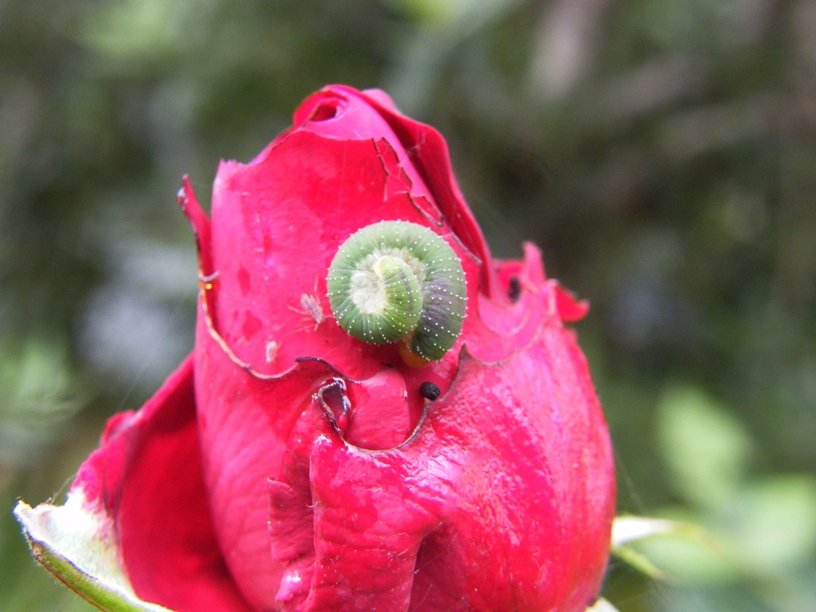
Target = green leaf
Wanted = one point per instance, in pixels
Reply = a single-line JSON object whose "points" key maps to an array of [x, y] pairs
{"points": [[77, 544], [639, 562], [705, 447], [776, 523], [679, 538], [689, 560]]}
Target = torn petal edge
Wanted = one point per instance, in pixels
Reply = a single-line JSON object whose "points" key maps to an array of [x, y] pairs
{"points": [[570, 308]]}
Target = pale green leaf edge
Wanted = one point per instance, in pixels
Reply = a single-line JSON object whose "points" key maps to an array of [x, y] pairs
{"points": [[601, 605], [76, 545], [628, 529]]}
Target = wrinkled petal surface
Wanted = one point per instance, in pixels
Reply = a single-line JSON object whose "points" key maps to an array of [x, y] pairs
{"points": [[502, 498]]}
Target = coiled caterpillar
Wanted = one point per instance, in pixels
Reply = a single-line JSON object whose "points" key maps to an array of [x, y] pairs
{"points": [[396, 280]]}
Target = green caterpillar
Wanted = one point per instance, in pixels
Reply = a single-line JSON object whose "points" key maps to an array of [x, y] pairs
{"points": [[396, 280]]}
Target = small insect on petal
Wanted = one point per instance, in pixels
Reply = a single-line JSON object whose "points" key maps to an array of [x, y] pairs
{"points": [[272, 351], [429, 390], [311, 306]]}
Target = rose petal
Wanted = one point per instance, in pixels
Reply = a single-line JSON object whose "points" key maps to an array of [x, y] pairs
{"points": [[147, 475], [369, 525], [570, 308], [533, 476], [250, 435], [379, 417], [429, 154], [277, 224], [517, 455]]}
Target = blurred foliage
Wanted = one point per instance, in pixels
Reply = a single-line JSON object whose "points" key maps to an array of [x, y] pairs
{"points": [[661, 152]]}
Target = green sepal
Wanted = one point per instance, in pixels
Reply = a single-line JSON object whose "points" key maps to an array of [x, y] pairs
{"points": [[76, 543], [601, 605]]}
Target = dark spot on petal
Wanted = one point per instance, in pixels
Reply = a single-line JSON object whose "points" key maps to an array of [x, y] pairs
{"points": [[514, 289], [429, 391]]}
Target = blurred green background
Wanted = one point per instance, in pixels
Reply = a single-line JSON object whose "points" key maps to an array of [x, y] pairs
{"points": [[661, 152]]}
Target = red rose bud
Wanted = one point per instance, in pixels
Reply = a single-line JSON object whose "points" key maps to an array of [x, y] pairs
{"points": [[296, 464]]}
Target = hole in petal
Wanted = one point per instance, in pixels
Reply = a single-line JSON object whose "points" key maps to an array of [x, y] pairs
{"points": [[326, 110], [514, 289], [335, 402]]}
